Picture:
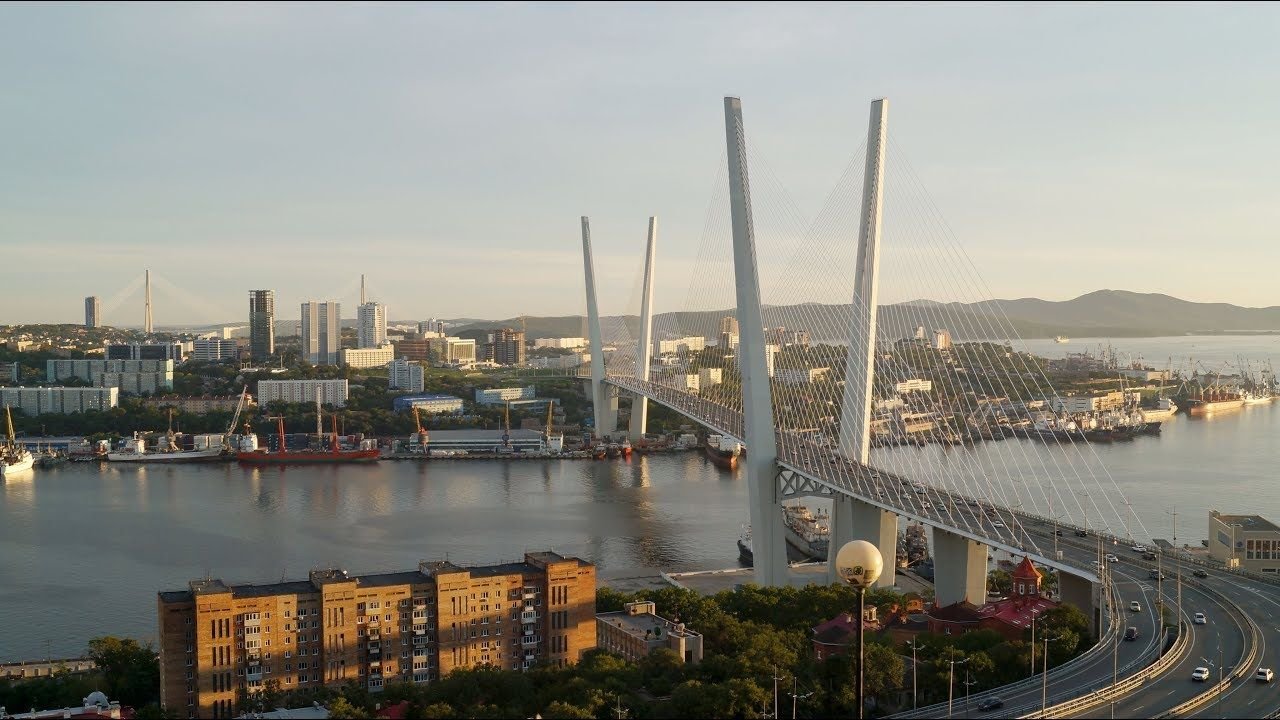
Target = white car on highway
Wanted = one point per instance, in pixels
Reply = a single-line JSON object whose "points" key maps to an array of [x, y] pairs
{"points": [[1200, 673], [1200, 619]]}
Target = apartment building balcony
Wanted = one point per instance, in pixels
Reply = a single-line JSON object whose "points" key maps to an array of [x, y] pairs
{"points": [[529, 641], [419, 640], [374, 648], [529, 616]]}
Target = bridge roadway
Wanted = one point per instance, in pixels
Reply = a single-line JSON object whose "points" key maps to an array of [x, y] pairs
{"points": [[1013, 531]]}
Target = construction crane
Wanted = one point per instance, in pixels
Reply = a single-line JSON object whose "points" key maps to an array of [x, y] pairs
{"points": [[226, 439], [550, 405], [421, 434]]}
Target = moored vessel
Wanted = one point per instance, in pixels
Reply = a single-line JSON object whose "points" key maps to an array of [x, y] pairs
{"points": [[14, 458], [807, 532], [332, 454], [722, 451]]}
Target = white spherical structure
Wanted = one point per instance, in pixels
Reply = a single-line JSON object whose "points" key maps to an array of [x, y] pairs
{"points": [[859, 563]]}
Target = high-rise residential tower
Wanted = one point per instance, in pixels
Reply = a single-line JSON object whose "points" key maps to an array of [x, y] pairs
{"points": [[371, 325], [321, 332], [262, 314], [92, 312]]}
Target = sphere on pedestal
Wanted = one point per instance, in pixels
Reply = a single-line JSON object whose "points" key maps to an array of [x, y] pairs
{"points": [[859, 563]]}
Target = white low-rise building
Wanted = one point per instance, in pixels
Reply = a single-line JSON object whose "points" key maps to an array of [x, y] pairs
{"points": [[801, 376], [691, 343], [367, 357], [710, 376], [564, 343], [914, 385], [499, 396], [213, 350]]}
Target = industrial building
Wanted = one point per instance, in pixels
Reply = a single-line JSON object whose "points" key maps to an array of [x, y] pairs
{"points": [[59, 400], [262, 331], [431, 404], [219, 640], [487, 441], [332, 392]]}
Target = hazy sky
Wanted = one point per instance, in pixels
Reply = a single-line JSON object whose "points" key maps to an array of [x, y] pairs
{"points": [[448, 150]]}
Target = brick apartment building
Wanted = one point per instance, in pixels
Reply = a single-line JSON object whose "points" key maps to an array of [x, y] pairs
{"points": [[413, 626]]}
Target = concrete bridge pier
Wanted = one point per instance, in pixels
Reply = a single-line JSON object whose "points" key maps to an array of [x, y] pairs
{"points": [[1081, 594], [959, 569], [852, 519]]}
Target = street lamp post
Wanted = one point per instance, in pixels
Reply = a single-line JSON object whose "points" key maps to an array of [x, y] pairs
{"points": [[796, 696], [951, 682], [1044, 682], [859, 563], [914, 697], [967, 684]]}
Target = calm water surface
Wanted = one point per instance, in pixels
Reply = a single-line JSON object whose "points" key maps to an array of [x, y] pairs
{"points": [[84, 548]]}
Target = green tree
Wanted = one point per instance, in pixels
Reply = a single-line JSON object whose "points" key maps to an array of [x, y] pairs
{"points": [[342, 708], [557, 710], [131, 672]]}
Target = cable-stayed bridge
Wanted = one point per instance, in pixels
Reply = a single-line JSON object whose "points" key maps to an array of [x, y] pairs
{"points": [[807, 379]]}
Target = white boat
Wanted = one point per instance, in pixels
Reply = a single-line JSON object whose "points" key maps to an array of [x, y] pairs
{"points": [[134, 449], [1061, 339], [14, 458], [1164, 409]]}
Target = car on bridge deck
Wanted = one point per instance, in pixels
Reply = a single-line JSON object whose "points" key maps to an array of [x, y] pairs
{"points": [[1200, 619], [1082, 533], [1200, 674], [1135, 606], [1131, 634], [991, 703], [1112, 558], [1264, 675], [1200, 573]]}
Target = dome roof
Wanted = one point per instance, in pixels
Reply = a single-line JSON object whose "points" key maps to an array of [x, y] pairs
{"points": [[97, 697]]}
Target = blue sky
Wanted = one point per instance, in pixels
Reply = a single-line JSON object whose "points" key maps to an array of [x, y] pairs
{"points": [[448, 150]]}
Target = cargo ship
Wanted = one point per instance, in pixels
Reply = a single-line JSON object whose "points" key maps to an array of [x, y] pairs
{"points": [[807, 533], [14, 458], [134, 449], [1212, 401], [722, 451], [333, 454]]}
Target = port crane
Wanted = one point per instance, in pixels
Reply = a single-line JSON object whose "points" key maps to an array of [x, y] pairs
{"points": [[226, 439]]}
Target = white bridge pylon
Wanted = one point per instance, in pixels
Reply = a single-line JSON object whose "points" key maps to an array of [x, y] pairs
{"points": [[866, 502]]}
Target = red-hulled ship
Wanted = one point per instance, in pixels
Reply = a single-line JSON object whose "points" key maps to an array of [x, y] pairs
{"points": [[334, 454], [722, 452]]}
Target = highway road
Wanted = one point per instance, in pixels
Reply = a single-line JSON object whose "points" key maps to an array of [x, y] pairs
{"points": [[1224, 640]]}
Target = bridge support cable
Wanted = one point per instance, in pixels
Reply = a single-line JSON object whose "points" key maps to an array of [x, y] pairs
{"points": [[964, 267], [603, 403], [639, 405], [757, 403]]}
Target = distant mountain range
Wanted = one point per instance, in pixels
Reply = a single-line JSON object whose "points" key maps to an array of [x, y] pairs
{"points": [[1105, 313]]}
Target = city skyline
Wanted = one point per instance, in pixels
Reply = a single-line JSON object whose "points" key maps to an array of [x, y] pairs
{"points": [[454, 174]]}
